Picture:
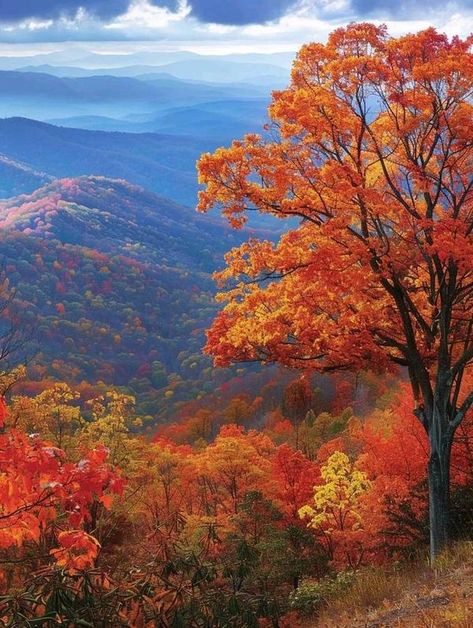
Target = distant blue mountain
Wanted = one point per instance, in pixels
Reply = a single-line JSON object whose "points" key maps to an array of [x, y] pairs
{"points": [[201, 70], [38, 95], [18, 177], [226, 71], [220, 120], [162, 163]]}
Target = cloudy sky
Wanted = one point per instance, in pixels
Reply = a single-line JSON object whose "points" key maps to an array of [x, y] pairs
{"points": [[214, 26]]}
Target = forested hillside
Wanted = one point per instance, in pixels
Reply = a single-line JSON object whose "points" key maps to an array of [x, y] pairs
{"points": [[115, 284]]}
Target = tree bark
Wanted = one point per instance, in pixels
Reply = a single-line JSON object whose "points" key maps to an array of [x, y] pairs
{"points": [[439, 490]]}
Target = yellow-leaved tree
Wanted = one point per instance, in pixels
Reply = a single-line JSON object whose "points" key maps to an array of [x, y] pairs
{"points": [[338, 510]]}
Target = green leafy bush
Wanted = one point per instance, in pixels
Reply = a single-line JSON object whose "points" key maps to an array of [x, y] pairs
{"points": [[311, 594]]}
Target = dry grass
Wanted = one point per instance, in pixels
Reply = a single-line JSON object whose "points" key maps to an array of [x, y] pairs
{"points": [[412, 596]]}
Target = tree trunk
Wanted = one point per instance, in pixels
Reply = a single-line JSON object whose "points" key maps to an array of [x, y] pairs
{"points": [[439, 491]]}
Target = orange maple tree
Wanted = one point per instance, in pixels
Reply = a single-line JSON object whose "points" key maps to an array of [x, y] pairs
{"points": [[370, 147]]}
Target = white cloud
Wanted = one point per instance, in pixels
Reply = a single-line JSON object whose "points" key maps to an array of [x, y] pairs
{"points": [[30, 24], [142, 15], [219, 29], [160, 28], [459, 24]]}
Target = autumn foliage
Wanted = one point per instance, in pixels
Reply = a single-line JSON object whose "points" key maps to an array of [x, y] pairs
{"points": [[246, 497], [370, 148], [248, 514]]}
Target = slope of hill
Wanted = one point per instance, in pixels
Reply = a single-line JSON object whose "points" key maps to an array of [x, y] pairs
{"points": [[116, 217], [162, 163], [98, 123], [220, 121], [18, 177], [116, 282], [407, 595]]}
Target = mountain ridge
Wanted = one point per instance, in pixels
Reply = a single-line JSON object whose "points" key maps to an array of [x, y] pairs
{"points": [[18, 177], [158, 162], [117, 281]]}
